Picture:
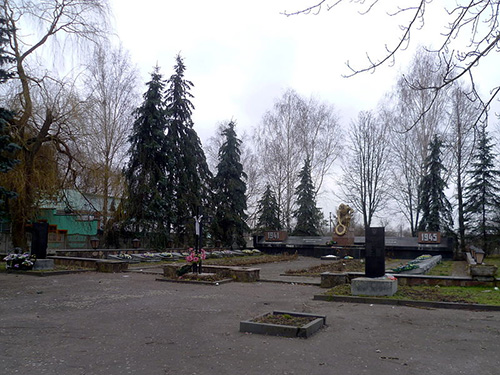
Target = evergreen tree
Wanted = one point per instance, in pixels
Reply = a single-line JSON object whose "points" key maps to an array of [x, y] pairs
{"points": [[148, 201], [7, 147], [308, 216], [268, 211], [188, 174], [435, 208], [230, 200], [482, 195]]}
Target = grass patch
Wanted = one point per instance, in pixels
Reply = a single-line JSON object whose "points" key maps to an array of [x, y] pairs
{"points": [[474, 294], [443, 268]]}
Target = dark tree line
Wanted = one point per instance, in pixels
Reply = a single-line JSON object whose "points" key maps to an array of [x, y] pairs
{"points": [[7, 146], [169, 182]]}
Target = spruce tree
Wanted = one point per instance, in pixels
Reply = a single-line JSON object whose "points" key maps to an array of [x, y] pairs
{"points": [[308, 216], [482, 195], [148, 202], [230, 200], [268, 211], [188, 175], [435, 208], [7, 147]]}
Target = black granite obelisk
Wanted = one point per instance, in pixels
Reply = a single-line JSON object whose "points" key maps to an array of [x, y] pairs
{"points": [[39, 240], [375, 252]]}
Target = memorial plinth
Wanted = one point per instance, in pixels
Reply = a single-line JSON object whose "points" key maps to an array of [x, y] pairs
{"points": [[345, 240], [367, 286]]}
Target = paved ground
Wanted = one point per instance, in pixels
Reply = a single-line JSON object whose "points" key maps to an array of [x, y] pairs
{"points": [[131, 324]]}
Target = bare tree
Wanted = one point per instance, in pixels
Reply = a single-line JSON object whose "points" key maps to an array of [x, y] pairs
{"points": [[463, 114], [470, 33], [110, 86], [295, 129], [414, 123], [365, 180], [39, 124]]}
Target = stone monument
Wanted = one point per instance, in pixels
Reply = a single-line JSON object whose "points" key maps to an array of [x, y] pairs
{"points": [[375, 252], [39, 242], [375, 282]]}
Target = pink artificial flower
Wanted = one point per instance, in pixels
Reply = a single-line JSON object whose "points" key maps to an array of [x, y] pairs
{"points": [[196, 259], [203, 254], [189, 258]]}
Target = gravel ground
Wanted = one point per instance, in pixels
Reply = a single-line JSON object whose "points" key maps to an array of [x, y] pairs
{"points": [[128, 323]]}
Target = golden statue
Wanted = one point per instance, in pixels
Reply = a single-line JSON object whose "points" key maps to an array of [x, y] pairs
{"points": [[344, 215]]}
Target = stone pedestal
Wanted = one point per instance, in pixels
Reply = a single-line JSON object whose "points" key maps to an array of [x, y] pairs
{"points": [[43, 264], [483, 272], [345, 240], [366, 286]]}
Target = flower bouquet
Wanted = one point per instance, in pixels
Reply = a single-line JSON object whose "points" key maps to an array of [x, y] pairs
{"points": [[195, 257], [24, 261]]}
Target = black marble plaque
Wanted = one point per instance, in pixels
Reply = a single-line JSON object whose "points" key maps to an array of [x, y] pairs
{"points": [[375, 252], [39, 239]]}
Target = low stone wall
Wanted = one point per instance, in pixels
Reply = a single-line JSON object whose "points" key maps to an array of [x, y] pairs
{"points": [[100, 265], [329, 280], [97, 253], [242, 274]]}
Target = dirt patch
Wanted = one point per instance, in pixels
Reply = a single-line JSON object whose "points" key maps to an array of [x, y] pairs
{"points": [[250, 260], [335, 266], [284, 320]]}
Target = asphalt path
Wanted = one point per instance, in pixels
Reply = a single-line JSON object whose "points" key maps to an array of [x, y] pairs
{"points": [[128, 323]]}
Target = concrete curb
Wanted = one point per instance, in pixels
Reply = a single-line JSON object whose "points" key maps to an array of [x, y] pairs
{"points": [[224, 281], [409, 303], [299, 282]]}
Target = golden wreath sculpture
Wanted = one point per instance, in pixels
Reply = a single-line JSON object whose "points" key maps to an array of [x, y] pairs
{"points": [[344, 216]]}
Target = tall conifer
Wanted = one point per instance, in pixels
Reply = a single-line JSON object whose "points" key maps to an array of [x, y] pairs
{"points": [[188, 175], [7, 147], [230, 201], [268, 211], [435, 208], [482, 195], [148, 202], [307, 214]]}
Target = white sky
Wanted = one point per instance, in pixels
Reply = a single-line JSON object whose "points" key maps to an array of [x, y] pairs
{"points": [[241, 56]]}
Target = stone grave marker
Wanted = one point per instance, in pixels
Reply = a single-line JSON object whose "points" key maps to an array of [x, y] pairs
{"points": [[39, 240], [375, 252]]}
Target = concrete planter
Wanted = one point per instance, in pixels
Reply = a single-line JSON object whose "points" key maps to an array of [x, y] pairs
{"points": [[305, 331], [240, 274]]}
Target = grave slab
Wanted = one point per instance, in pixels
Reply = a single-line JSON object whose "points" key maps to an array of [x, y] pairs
{"points": [[366, 286], [43, 264]]}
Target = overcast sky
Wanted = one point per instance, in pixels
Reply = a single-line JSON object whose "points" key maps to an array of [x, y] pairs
{"points": [[241, 56]]}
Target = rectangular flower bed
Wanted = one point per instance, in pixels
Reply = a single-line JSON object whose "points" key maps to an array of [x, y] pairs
{"points": [[283, 323]]}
